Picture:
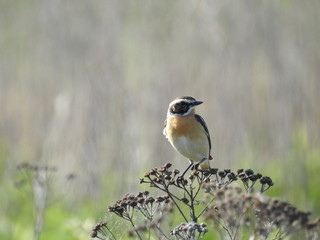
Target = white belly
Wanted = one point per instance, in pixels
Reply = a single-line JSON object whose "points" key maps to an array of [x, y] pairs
{"points": [[194, 149]]}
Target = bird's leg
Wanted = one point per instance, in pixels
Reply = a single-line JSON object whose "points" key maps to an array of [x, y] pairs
{"points": [[195, 167], [191, 164]]}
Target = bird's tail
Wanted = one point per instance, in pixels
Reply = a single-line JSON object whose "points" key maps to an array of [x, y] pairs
{"points": [[206, 164]]}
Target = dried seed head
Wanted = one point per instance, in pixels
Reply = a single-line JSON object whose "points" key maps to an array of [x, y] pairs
{"points": [[266, 180], [94, 234], [141, 180], [167, 165], [150, 200], [172, 182], [222, 174], [253, 177], [213, 170], [232, 176], [239, 171], [167, 177], [139, 195], [220, 194], [184, 200], [195, 173], [249, 172], [154, 171], [159, 199]]}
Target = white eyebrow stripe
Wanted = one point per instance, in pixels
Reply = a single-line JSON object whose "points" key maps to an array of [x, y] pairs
{"points": [[180, 100]]}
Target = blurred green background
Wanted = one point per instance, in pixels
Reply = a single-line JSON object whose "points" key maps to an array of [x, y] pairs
{"points": [[85, 86]]}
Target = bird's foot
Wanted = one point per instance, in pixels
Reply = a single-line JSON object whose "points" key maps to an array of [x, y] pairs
{"points": [[190, 166], [195, 166]]}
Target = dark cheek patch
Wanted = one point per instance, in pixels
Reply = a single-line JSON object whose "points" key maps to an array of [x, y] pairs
{"points": [[177, 108]]}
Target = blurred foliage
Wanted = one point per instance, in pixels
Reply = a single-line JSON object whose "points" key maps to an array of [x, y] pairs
{"points": [[298, 173], [85, 85]]}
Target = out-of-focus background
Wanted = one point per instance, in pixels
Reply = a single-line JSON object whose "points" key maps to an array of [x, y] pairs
{"points": [[85, 86]]}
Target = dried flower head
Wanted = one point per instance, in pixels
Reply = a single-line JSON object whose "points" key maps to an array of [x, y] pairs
{"points": [[189, 230], [230, 207]]}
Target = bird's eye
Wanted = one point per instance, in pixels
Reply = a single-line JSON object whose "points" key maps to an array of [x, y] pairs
{"points": [[183, 104]]}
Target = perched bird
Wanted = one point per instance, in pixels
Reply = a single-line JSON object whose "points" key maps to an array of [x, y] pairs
{"points": [[187, 132]]}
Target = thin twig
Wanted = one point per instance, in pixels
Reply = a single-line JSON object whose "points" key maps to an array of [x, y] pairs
{"points": [[134, 227], [206, 207], [175, 203]]}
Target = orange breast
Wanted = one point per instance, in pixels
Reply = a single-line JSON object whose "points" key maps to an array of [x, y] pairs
{"points": [[188, 137], [182, 126]]}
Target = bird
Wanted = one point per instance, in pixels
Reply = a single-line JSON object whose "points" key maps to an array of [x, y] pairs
{"points": [[188, 132]]}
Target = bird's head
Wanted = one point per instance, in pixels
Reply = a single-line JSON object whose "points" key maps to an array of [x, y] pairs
{"points": [[182, 106]]}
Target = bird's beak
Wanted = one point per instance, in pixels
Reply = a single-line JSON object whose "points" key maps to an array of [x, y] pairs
{"points": [[196, 103]]}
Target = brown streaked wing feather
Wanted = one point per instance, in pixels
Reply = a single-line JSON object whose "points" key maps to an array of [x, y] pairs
{"points": [[204, 125]]}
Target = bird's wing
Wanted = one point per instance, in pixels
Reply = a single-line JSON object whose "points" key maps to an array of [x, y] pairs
{"points": [[164, 130], [204, 125]]}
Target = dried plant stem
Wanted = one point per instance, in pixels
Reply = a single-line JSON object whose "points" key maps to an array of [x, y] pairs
{"points": [[40, 188], [206, 207], [232, 208], [240, 218], [160, 230], [225, 228], [177, 205], [134, 227], [149, 216], [192, 198], [114, 237]]}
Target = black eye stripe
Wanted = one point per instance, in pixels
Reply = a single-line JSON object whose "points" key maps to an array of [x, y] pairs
{"points": [[180, 108]]}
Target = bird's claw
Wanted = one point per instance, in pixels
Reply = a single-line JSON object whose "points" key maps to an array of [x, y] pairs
{"points": [[195, 166]]}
